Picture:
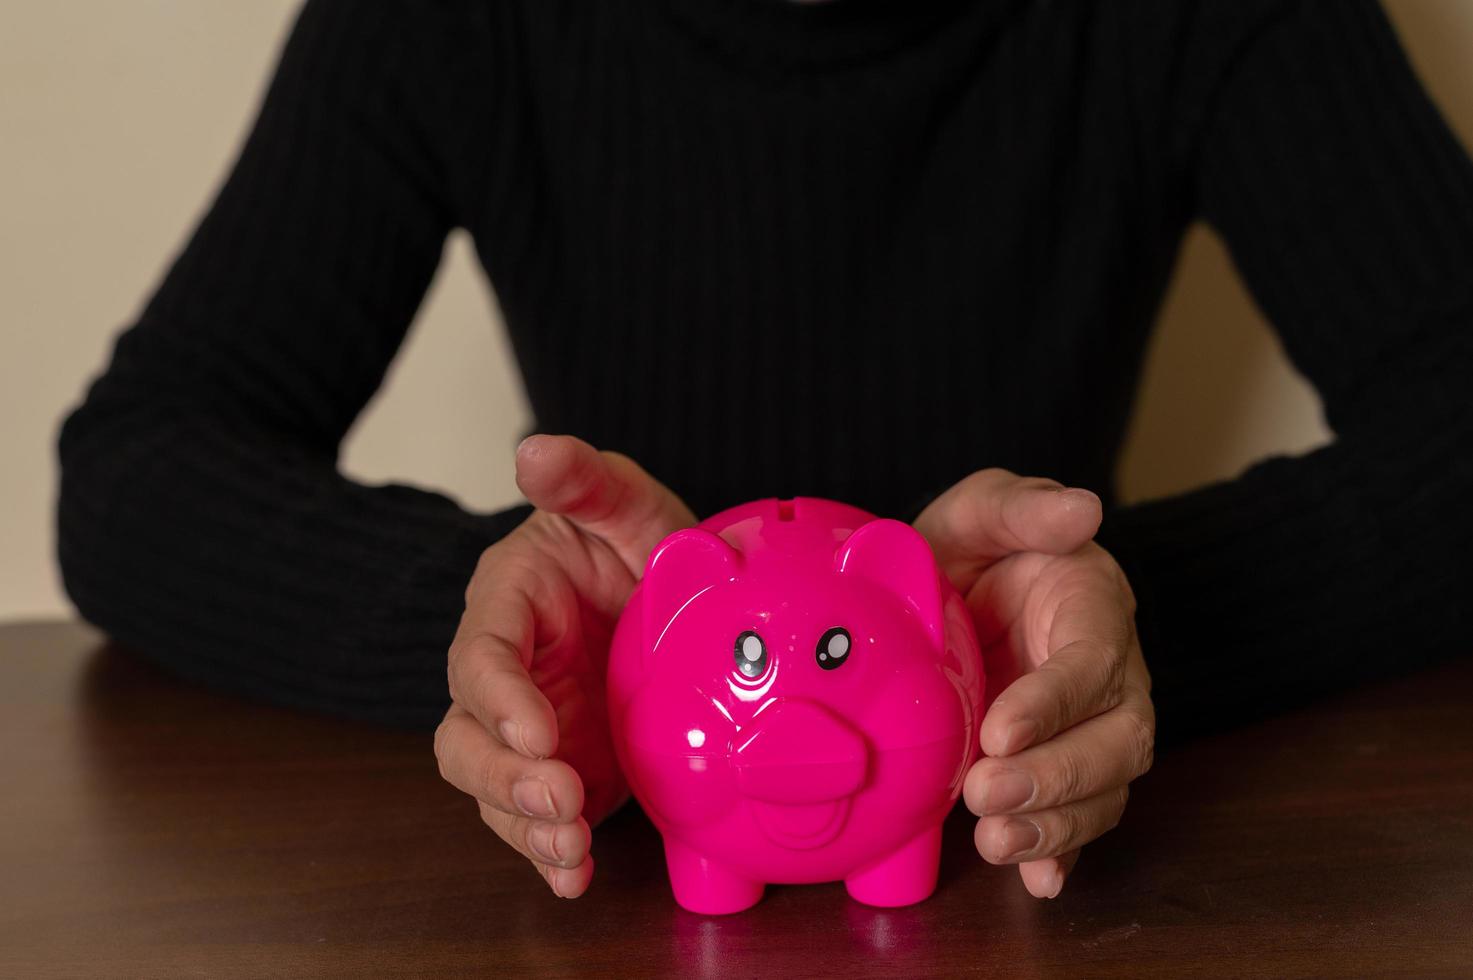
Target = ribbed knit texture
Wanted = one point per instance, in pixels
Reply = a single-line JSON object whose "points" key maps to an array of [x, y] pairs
{"points": [[853, 250]]}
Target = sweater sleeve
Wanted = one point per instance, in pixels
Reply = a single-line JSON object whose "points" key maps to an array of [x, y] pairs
{"points": [[1347, 205], [202, 519]]}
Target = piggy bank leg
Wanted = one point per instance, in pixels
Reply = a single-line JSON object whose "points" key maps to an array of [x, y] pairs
{"points": [[905, 877], [703, 886]]}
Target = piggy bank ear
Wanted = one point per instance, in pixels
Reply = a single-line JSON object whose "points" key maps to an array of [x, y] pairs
{"points": [[681, 567], [896, 557]]}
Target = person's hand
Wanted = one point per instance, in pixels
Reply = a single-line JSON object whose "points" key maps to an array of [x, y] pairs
{"points": [[1071, 721], [527, 734]]}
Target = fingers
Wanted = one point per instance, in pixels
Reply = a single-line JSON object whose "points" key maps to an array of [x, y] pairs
{"points": [[993, 513], [481, 765], [1045, 878], [1103, 753], [1039, 807], [559, 852], [487, 667], [1048, 833], [606, 494], [1091, 633]]}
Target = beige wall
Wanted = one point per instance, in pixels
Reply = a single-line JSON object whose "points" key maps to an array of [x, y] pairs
{"points": [[118, 119]]}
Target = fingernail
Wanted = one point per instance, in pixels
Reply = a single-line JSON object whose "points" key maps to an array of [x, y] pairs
{"points": [[532, 797], [1006, 791], [543, 839], [1019, 837], [1079, 495], [1058, 884], [1021, 734], [515, 736]]}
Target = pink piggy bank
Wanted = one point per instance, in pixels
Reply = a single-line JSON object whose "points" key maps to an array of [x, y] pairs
{"points": [[795, 693]]}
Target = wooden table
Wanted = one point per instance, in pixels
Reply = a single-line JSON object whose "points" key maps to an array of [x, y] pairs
{"points": [[149, 828]]}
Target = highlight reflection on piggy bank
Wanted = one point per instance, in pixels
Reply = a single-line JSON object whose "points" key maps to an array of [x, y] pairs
{"points": [[795, 694]]}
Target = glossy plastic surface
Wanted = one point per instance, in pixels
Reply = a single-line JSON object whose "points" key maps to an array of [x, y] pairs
{"points": [[795, 694]]}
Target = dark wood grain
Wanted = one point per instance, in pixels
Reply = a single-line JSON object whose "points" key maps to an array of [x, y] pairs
{"points": [[149, 828]]}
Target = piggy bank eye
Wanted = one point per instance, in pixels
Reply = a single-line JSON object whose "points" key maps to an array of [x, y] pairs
{"points": [[833, 648], [751, 654]]}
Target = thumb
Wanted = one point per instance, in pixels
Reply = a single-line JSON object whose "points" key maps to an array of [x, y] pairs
{"points": [[994, 513], [605, 494]]}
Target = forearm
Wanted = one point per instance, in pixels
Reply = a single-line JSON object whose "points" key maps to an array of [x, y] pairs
{"points": [[1308, 574], [247, 563]]}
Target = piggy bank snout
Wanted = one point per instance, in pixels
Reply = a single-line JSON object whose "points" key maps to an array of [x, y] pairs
{"points": [[800, 752]]}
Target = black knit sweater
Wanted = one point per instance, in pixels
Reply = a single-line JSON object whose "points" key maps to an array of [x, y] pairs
{"points": [[853, 250]]}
